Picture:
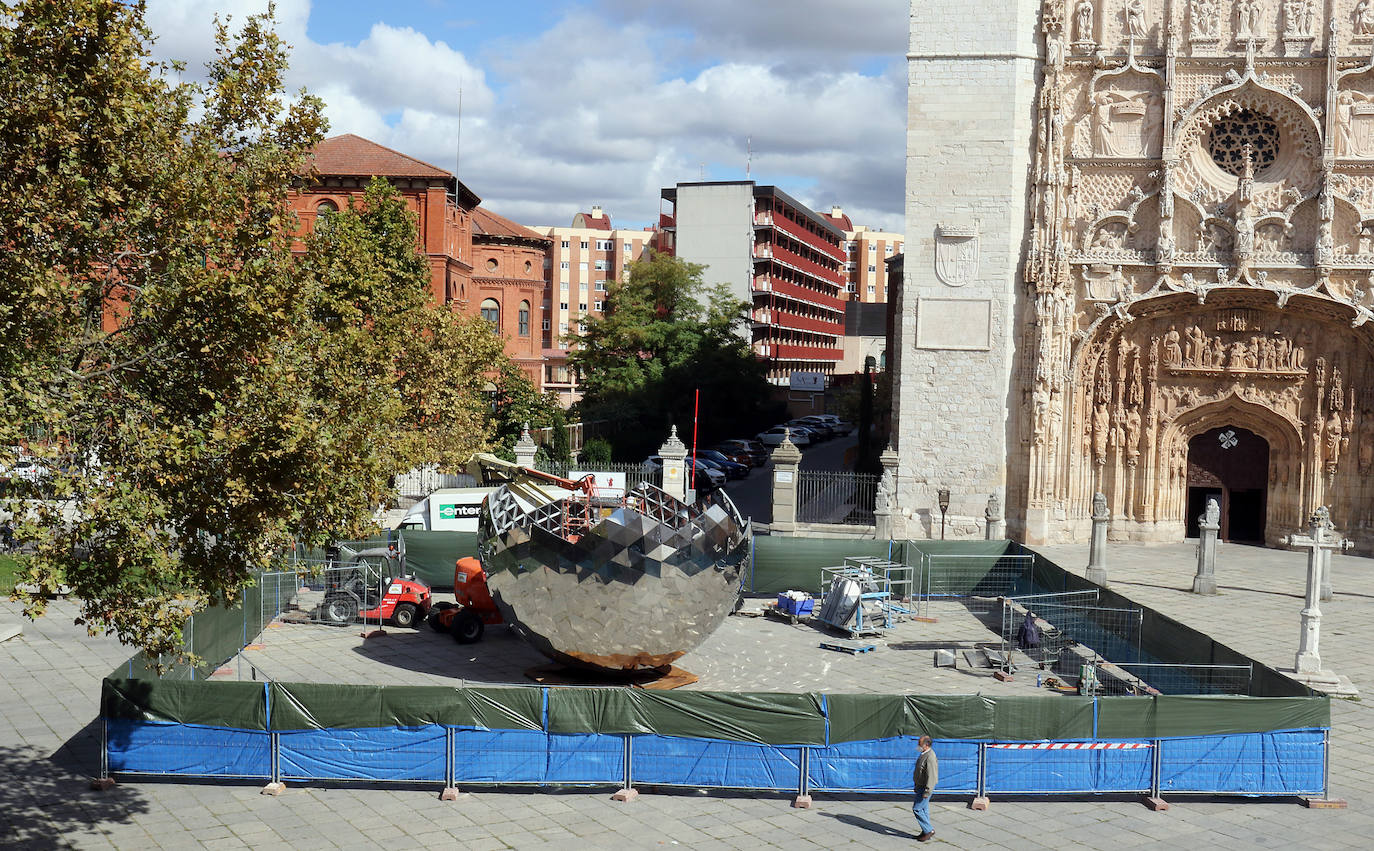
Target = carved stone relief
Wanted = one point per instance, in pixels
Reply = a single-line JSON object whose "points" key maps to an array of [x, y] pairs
{"points": [[956, 254]]}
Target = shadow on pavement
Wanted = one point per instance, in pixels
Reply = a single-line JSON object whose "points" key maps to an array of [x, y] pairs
{"points": [[49, 797], [859, 821]]}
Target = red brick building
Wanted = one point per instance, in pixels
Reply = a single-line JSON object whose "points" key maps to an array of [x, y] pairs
{"points": [[508, 285], [480, 263]]}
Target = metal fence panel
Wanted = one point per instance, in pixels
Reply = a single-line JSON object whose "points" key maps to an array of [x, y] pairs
{"points": [[825, 496], [1139, 678], [975, 580]]}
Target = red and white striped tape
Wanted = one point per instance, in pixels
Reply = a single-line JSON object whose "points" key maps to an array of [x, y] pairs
{"points": [[1075, 746]]}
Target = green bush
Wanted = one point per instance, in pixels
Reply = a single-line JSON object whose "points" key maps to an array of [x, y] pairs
{"points": [[596, 451]]}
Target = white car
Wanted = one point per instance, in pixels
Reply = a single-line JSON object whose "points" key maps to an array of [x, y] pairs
{"points": [[774, 436]]}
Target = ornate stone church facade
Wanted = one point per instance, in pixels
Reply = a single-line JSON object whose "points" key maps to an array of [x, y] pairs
{"points": [[1140, 261]]}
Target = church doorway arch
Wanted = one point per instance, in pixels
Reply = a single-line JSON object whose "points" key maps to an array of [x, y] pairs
{"points": [[1230, 464]]}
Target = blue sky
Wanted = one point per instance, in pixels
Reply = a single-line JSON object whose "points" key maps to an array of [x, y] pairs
{"points": [[570, 104]]}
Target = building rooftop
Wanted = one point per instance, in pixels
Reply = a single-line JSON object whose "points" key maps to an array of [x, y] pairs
{"points": [[354, 156], [487, 223]]}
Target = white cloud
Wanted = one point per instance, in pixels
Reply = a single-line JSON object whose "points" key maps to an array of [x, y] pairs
{"points": [[608, 108]]}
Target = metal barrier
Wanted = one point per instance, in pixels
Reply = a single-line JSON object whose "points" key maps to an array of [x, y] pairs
{"points": [[1056, 637], [977, 581], [836, 497], [1141, 678], [425, 480]]}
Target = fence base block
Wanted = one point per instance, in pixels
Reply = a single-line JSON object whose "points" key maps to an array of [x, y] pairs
{"points": [[802, 802], [979, 803], [1002, 676], [1159, 805], [1324, 803], [273, 789], [450, 793], [102, 784], [373, 633], [625, 795]]}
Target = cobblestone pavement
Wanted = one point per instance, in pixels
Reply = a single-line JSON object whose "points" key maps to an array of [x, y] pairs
{"points": [[49, 745]]}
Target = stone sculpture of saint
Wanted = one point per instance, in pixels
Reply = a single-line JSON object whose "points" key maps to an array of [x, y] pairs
{"points": [[1135, 18], [1173, 353], [1083, 20], [1331, 441], [1345, 125], [1364, 18]]}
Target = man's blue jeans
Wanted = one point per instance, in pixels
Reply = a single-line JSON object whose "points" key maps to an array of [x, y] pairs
{"points": [[921, 809]]}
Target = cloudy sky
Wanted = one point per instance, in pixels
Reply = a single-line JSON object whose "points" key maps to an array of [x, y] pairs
{"points": [[570, 104]]}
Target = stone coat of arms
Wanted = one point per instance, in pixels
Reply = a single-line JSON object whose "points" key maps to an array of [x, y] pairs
{"points": [[956, 254]]}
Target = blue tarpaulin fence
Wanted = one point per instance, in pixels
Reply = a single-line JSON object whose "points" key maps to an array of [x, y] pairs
{"points": [[1281, 762]]}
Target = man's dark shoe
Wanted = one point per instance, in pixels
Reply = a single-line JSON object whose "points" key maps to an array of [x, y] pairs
{"points": [[925, 837]]}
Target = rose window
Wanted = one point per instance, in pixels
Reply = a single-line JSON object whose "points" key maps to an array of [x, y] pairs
{"points": [[1232, 133]]}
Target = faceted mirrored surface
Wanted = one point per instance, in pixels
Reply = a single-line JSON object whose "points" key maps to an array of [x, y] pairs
{"points": [[649, 581]]}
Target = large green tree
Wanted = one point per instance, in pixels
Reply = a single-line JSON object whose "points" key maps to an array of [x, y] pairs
{"points": [[200, 397], [663, 336]]}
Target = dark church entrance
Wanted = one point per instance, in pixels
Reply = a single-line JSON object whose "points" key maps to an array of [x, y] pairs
{"points": [[1231, 465]]}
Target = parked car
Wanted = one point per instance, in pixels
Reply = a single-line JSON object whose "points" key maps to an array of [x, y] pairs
{"points": [[775, 435], [757, 452], [706, 477], [821, 429], [732, 469], [837, 425]]}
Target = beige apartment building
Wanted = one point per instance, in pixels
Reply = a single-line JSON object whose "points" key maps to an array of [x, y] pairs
{"points": [[867, 252], [582, 261]]}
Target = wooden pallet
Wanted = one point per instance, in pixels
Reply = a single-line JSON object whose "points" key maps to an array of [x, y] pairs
{"points": [[852, 649]]}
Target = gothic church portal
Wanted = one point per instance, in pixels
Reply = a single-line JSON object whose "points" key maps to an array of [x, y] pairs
{"points": [[1148, 227]]}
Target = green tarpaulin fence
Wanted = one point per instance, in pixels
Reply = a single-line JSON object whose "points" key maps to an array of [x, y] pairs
{"points": [[766, 718]]}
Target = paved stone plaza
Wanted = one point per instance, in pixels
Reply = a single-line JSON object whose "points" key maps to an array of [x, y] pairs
{"points": [[49, 743]]}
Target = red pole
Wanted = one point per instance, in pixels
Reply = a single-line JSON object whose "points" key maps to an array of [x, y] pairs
{"points": [[696, 409]]}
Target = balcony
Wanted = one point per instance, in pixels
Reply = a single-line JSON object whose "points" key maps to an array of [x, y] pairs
{"points": [[800, 233]]}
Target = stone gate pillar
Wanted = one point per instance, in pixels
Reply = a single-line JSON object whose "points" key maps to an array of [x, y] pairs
{"points": [[786, 459], [525, 448], [883, 507], [674, 455]]}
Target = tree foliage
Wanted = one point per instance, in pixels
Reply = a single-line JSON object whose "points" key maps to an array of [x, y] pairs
{"points": [[200, 398], [657, 343]]}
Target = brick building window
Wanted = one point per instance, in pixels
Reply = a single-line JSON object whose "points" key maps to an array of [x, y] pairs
{"points": [[584, 245], [524, 319], [605, 245], [491, 311]]}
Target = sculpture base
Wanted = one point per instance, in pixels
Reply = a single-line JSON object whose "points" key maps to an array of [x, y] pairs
{"points": [[1328, 682], [656, 679], [1204, 585]]}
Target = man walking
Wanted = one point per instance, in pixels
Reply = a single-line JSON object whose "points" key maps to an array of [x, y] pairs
{"points": [[925, 777]]}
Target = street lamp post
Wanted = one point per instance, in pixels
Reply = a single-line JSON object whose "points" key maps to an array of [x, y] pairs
{"points": [[943, 496]]}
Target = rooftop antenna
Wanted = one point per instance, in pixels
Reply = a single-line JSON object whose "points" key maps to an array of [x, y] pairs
{"points": [[458, 144], [749, 156], [701, 171]]}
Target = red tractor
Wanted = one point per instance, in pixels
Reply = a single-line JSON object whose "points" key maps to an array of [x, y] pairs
{"points": [[468, 618]]}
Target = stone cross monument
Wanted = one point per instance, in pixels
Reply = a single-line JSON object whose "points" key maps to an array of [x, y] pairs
{"points": [[1319, 540], [1097, 551], [1208, 525]]}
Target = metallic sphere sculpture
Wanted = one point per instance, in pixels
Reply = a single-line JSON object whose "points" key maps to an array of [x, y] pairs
{"points": [[634, 589]]}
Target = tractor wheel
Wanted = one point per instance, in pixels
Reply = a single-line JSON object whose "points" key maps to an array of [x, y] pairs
{"points": [[404, 615], [341, 610], [468, 627], [435, 621]]}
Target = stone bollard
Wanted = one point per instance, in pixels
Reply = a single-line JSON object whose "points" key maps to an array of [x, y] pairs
{"points": [[1097, 549], [786, 459], [674, 455], [997, 524], [1209, 524], [525, 448]]}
